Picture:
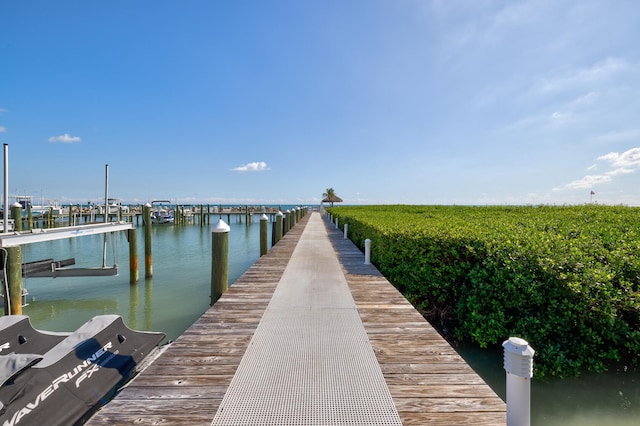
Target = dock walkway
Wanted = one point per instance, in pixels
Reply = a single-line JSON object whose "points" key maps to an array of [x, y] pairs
{"points": [[309, 335]]}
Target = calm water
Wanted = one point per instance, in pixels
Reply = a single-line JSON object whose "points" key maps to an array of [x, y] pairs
{"points": [[179, 293], [170, 301]]}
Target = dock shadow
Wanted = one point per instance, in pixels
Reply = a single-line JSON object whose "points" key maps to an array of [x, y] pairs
{"points": [[349, 255]]}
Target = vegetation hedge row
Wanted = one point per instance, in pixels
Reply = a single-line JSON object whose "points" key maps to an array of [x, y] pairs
{"points": [[564, 278]]}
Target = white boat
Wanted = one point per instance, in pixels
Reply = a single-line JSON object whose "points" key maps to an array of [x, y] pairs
{"points": [[162, 212], [115, 206], [26, 201]]}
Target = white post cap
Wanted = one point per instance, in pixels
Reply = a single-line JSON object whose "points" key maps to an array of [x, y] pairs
{"points": [[518, 357], [220, 227], [264, 217]]}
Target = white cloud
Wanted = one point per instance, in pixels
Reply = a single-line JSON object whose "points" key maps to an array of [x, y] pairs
{"points": [[587, 182], [629, 158], [622, 164], [258, 166], [66, 138], [3, 129]]}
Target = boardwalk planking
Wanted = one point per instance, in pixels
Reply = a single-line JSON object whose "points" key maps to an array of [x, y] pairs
{"points": [[429, 382]]}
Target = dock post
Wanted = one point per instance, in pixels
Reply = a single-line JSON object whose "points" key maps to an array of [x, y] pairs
{"points": [[285, 222], [367, 251], [518, 364], [264, 232], [219, 260], [278, 226], [148, 262], [13, 266], [16, 215], [346, 229], [29, 216], [70, 215], [133, 255]]}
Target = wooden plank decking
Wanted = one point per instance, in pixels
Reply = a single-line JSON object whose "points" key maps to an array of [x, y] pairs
{"points": [[428, 380]]}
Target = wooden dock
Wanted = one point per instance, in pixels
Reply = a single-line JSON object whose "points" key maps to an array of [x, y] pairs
{"points": [[428, 381]]}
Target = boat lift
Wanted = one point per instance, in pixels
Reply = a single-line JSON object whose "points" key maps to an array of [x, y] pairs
{"points": [[14, 239]]}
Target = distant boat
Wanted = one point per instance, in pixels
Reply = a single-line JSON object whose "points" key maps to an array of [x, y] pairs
{"points": [[115, 206], [63, 378], [38, 210], [161, 212]]}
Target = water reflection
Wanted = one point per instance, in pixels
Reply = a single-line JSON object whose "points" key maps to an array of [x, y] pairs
{"points": [[133, 306], [51, 310]]}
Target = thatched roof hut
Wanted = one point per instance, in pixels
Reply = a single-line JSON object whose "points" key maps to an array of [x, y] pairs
{"points": [[332, 198]]}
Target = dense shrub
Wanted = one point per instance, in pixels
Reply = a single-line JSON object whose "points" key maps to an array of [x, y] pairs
{"points": [[565, 278]]}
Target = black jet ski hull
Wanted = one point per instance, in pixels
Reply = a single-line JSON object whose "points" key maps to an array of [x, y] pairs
{"points": [[77, 376]]}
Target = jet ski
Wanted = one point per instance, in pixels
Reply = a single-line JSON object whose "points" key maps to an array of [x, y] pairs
{"points": [[67, 383], [17, 335]]}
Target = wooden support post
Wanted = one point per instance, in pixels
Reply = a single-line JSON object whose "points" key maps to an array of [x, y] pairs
{"points": [[285, 223], [148, 263], [13, 304], [133, 256], [278, 233], [29, 216], [16, 215], [70, 215], [219, 260], [264, 233], [246, 215]]}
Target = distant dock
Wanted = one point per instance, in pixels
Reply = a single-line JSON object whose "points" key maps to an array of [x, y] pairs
{"points": [[279, 346]]}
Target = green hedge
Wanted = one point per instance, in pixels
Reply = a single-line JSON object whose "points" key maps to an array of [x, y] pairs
{"points": [[566, 278]]}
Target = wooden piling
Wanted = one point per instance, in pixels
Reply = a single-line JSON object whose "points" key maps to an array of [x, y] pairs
{"points": [[16, 215], [278, 233], [14, 280], [264, 233], [148, 263], [29, 216], [285, 222], [133, 256], [219, 260]]}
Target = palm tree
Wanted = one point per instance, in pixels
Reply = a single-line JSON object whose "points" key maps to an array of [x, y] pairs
{"points": [[331, 197]]}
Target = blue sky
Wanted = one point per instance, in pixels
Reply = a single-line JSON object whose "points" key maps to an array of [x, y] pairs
{"points": [[273, 101]]}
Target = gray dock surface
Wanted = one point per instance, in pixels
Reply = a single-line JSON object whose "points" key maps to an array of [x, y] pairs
{"points": [[309, 335]]}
